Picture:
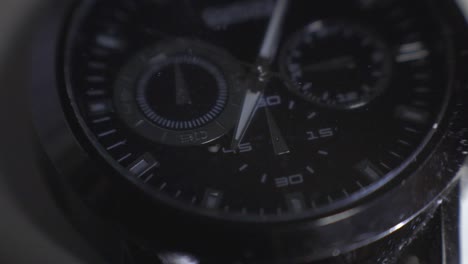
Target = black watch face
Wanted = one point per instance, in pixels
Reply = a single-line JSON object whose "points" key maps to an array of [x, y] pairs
{"points": [[258, 110]]}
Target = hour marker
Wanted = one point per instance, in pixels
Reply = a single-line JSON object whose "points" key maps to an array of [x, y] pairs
{"points": [[411, 52], [411, 114], [385, 166], [323, 153], [100, 51], [395, 154], [360, 184], [95, 79], [296, 71], [421, 89], [121, 15], [366, 42], [214, 148], [177, 194], [419, 103], [316, 26], [101, 120], [421, 76], [295, 202], [309, 169], [124, 157], [313, 204], [378, 56], [396, 13], [412, 130], [118, 144], [325, 96], [164, 136], [138, 123], [107, 133], [217, 122], [94, 92], [345, 192], [312, 115], [243, 167], [307, 86], [369, 170], [296, 54], [212, 199], [163, 185], [97, 65], [264, 178], [99, 107], [279, 211], [109, 42], [142, 165], [403, 142], [376, 73], [291, 105], [148, 178]]}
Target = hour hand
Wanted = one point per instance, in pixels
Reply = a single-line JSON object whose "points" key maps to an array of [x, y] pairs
{"points": [[279, 144], [249, 107]]}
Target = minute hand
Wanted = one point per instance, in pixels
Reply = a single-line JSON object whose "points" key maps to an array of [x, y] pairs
{"points": [[266, 56], [274, 31]]}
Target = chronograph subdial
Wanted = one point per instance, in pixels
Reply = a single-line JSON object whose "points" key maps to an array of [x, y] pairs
{"points": [[337, 64], [179, 93]]}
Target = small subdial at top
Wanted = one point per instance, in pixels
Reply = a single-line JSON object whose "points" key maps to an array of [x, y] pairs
{"points": [[179, 93], [336, 64]]}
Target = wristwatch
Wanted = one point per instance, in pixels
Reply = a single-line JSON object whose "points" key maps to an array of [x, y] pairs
{"points": [[255, 131]]}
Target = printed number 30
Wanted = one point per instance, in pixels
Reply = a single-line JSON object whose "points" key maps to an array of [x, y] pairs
{"points": [[288, 181]]}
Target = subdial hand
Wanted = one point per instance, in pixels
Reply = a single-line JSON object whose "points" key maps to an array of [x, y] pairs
{"points": [[181, 88], [345, 62]]}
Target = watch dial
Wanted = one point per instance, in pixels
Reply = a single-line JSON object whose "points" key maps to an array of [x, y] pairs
{"points": [[179, 99]]}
